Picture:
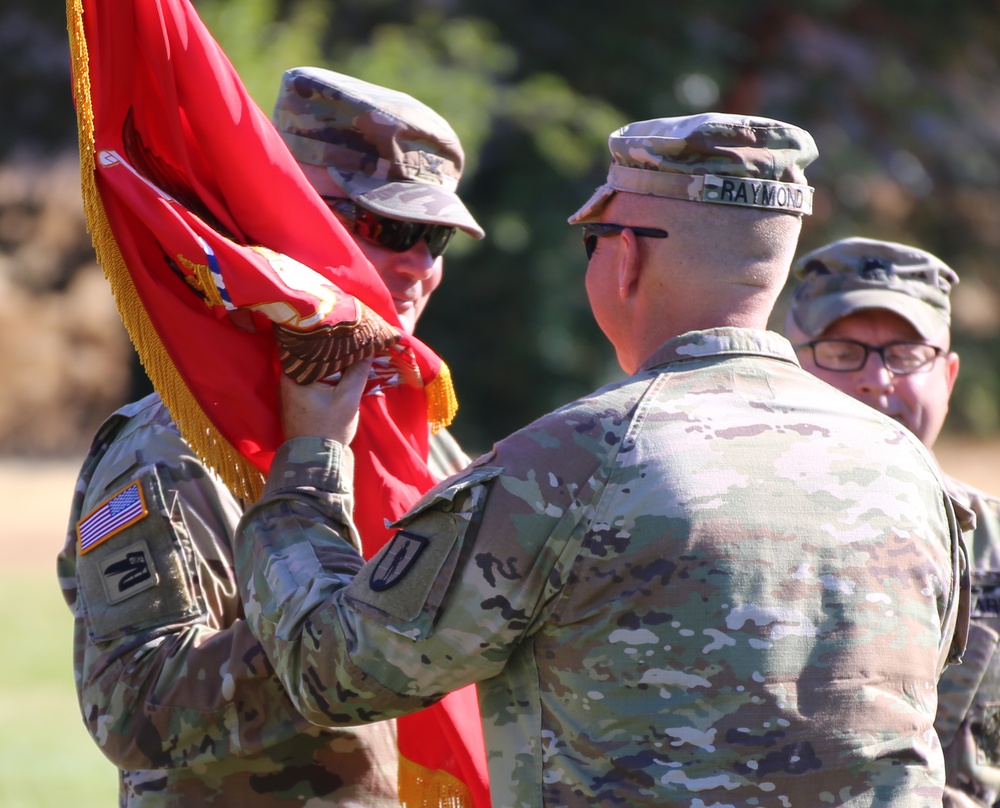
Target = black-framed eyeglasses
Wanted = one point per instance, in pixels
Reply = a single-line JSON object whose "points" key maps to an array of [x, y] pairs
{"points": [[594, 230], [845, 355], [398, 235]]}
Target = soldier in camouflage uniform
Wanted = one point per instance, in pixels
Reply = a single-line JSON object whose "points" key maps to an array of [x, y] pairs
{"points": [[894, 300], [716, 582], [174, 688]]}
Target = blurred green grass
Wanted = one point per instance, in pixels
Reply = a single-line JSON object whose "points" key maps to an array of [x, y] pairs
{"points": [[47, 759]]}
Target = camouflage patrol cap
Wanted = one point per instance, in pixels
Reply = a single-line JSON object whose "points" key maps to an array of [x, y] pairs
{"points": [[382, 148], [712, 157], [855, 274]]}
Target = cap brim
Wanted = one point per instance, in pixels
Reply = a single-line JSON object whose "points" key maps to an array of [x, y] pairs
{"points": [[413, 201], [592, 207], [820, 313]]}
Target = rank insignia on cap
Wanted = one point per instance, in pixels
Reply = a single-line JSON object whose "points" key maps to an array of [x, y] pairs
{"points": [[396, 561], [112, 516]]}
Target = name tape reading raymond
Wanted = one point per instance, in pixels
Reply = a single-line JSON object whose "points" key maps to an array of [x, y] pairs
{"points": [[788, 197], [757, 193]]}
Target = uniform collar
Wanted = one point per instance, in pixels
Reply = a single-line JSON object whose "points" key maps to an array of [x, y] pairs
{"points": [[721, 342]]}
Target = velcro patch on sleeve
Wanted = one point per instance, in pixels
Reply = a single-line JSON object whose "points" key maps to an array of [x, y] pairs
{"points": [[128, 572], [112, 516], [403, 550], [407, 580], [404, 586]]}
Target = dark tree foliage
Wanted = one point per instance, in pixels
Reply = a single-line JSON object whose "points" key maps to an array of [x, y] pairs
{"points": [[902, 96], [903, 100], [34, 79]]}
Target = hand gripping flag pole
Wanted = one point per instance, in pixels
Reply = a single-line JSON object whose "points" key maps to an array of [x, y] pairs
{"points": [[227, 267]]}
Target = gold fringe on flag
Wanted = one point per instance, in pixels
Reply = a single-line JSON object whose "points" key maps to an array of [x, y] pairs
{"points": [[442, 403], [423, 788], [418, 787], [240, 476]]}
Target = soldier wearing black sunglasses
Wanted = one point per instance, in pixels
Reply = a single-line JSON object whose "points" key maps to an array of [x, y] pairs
{"points": [[398, 235], [388, 166], [594, 230]]}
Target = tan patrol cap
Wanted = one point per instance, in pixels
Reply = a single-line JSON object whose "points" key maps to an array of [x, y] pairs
{"points": [[711, 157], [382, 148], [855, 274]]}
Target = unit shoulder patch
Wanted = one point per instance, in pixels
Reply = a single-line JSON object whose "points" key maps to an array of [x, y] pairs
{"points": [[403, 551], [128, 572]]}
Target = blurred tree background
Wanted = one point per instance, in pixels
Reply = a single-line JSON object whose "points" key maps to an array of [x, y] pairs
{"points": [[903, 99]]}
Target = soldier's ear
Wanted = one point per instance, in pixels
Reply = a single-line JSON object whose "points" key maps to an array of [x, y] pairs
{"points": [[952, 362], [629, 265]]}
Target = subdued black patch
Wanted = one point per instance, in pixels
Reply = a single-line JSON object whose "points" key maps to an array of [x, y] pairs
{"points": [[133, 570], [403, 551], [128, 572]]}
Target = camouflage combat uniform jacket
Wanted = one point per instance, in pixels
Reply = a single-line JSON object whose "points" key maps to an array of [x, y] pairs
{"points": [[968, 719], [718, 582], [174, 688]]}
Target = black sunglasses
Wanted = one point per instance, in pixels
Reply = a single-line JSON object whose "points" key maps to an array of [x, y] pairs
{"points": [[594, 230], [397, 235]]}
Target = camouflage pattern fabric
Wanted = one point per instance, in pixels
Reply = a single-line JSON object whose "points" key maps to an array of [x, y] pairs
{"points": [[382, 148], [713, 157], [718, 582], [716, 143], [173, 687], [968, 718], [856, 274]]}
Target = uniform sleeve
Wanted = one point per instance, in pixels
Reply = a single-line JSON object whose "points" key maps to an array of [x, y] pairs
{"points": [[969, 693], [985, 549], [466, 578], [167, 671]]}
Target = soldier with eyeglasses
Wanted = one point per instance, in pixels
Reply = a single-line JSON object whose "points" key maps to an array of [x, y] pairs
{"points": [[873, 319], [187, 673]]}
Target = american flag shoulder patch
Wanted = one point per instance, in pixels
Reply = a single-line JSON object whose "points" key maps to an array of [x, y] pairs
{"points": [[112, 516]]}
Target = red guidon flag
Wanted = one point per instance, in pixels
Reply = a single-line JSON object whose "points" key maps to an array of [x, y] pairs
{"points": [[227, 267]]}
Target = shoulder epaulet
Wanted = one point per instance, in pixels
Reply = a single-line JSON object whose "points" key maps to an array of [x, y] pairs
{"points": [[135, 414]]}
